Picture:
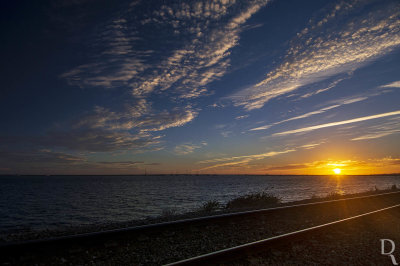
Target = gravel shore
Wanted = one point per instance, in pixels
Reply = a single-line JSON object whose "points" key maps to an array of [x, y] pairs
{"points": [[165, 245], [354, 243]]}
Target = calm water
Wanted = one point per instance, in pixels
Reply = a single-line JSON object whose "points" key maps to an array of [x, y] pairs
{"points": [[49, 201]]}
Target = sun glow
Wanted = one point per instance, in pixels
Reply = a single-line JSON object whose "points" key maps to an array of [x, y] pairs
{"points": [[337, 171]]}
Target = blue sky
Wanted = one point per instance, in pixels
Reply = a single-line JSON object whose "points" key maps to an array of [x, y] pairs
{"points": [[255, 87]]}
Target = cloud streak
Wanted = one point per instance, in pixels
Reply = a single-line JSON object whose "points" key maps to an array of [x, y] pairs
{"points": [[344, 122], [238, 160], [337, 103], [395, 84], [188, 148]]}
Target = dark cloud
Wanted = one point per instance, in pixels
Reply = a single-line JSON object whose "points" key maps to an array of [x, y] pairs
{"points": [[39, 156], [121, 163], [287, 167], [96, 140]]}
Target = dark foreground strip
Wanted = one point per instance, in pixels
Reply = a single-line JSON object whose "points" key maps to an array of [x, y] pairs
{"points": [[115, 232], [230, 254]]}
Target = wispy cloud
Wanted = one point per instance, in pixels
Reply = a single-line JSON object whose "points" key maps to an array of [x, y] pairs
{"points": [[344, 122], [329, 47], [96, 140], [45, 156], [188, 148], [337, 103], [47, 161], [241, 117], [205, 33], [134, 127], [376, 135], [128, 58], [311, 145], [380, 130], [330, 86], [204, 58], [165, 120], [232, 161], [354, 165], [322, 110], [395, 84]]}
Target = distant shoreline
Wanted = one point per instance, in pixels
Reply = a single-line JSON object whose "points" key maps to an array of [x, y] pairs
{"points": [[22, 175]]}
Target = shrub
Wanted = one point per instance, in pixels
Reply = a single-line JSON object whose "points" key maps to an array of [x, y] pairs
{"points": [[210, 206], [252, 201], [314, 197], [168, 212], [333, 195]]}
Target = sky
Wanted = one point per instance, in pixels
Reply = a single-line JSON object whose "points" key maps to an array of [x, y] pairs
{"points": [[200, 87]]}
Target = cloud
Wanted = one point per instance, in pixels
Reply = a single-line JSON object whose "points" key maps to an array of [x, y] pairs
{"points": [[395, 84], [241, 117], [376, 135], [38, 156], [344, 164], [104, 118], [322, 110], [133, 128], [232, 161], [365, 118], [205, 31], [311, 145], [137, 118], [132, 56], [327, 48], [119, 163], [337, 103], [46, 161], [188, 148], [96, 140], [389, 127], [287, 167], [330, 86], [165, 120], [212, 33]]}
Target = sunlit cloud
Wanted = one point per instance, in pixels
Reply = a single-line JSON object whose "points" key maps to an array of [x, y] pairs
{"points": [[201, 58], [337, 103], [188, 148], [311, 145], [320, 111], [241, 117], [395, 84], [330, 86], [376, 135], [380, 130], [321, 51], [360, 119], [348, 166], [230, 161], [204, 32], [96, 140]]}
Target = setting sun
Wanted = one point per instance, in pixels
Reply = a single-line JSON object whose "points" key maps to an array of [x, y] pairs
{"points": [[337, 171]]}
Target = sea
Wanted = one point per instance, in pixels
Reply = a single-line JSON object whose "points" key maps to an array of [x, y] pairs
{"points": [[49, 202]]}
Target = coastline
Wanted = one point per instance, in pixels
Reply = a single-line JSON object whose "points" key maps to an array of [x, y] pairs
{"points": [[168, 244], [27, 234]]}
